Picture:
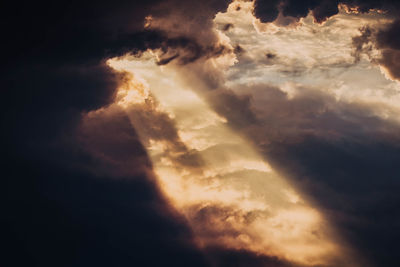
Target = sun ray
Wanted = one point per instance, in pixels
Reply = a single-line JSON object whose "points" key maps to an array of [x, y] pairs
{"points": [[230, 196]]}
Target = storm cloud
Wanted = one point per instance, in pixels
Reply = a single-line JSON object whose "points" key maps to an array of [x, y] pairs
{"points": [[79, 184]]}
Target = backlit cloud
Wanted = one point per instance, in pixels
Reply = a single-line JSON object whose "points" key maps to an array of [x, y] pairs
{"points": [[201, 133]]}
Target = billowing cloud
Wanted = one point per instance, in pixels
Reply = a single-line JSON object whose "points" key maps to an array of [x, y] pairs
{"points": [[250, 134], [267, 11], [230, 196]]}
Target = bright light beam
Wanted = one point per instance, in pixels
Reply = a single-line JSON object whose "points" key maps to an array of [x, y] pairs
{"points": [[228, 193]]}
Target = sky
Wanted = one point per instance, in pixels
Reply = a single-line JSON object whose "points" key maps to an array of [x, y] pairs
{"points": [[201, 133]]}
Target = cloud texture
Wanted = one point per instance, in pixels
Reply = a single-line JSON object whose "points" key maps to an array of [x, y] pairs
{"points": [[79, 181]]}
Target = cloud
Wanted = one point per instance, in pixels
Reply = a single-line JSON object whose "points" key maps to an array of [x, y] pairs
{"points": [[79, 185], [340, 153], [235, 108], [389, 43], [312, 121], [354, 180], [229, 195], [362, 44], [383, 39], [390, 62], [227, 27], [267, 11], [191, 18], [79, 190], [242, 258]]}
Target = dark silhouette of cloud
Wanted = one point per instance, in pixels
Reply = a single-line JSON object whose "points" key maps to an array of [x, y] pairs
{"points": [[388, 41], [80, 194], [267, 11], [385, 40]]}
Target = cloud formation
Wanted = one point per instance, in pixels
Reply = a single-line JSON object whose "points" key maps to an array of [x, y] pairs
{"points": [[229, 195], [80, 192], [78, 151]]}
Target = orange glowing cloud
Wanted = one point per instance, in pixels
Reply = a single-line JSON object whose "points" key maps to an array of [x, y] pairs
{"points": [[216, 176], [230, 196]]}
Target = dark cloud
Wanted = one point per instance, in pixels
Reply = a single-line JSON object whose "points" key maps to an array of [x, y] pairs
{"points": [[267, 11], [80, 193], [389, 37], [298, 8], [53, 55], [167, 60], [366, 5], [188, 18], [390, 61], [243, 258], [227, 27], [270, 55], [362, 44], [90, 199], [325, 10], [342, 155], [111, 141], [239, 50], [235, 108], [56, 216], [386, 40], [354, 180]]}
